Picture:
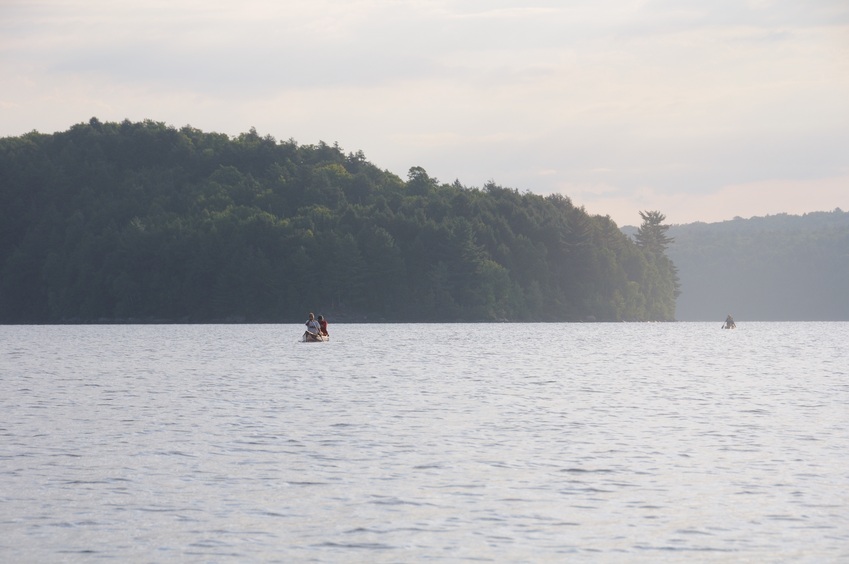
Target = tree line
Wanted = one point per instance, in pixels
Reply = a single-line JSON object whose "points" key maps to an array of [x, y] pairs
{"points": [[141, 222]]}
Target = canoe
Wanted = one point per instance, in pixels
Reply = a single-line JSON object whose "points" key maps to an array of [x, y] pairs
{"points": [[308, 337]]}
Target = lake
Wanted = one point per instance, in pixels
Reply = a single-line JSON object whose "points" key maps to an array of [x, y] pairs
{"points": [[599, 442]]}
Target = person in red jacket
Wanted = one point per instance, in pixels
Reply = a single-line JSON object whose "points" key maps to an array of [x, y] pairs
{"points": [[322, 324]]}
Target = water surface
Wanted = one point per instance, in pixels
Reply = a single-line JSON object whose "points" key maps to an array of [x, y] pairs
{"points": [[403, 443]]}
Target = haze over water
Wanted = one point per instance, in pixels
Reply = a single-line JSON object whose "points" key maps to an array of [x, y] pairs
{"points": [[402, 443]]}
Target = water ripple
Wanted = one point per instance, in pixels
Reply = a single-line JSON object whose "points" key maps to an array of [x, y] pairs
{"points": [[604, 442]]}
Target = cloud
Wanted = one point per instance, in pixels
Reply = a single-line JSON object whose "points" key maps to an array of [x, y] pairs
{"points": [[766, 197], [643, 99]]}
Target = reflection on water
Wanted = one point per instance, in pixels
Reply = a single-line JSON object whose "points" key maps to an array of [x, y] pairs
{"points": [[402, 443]]}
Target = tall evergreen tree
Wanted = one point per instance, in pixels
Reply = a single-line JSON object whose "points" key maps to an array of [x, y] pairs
{"points": [[664, 285], [652, 233]]}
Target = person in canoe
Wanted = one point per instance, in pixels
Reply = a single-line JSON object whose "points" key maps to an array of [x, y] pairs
{"points": [[322, 326], [313, 332], [729, 323]]}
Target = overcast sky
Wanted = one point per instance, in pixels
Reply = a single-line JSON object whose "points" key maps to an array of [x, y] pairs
{"points": [[704, 110]]}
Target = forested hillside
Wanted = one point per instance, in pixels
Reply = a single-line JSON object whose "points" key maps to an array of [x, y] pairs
{"points": [[774, 268], [144, 222]]}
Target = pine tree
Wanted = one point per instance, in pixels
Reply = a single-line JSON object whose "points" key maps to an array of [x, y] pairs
{"points": [[652, 233]]}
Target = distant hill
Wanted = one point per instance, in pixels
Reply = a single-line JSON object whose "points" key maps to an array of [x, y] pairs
{"points": [[774, 268], [142, 222]]}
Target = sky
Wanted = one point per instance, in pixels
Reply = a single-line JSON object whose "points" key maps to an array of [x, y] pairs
{"points": [[703, 110]]}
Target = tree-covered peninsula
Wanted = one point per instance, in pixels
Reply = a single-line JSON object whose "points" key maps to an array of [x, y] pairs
{"points": [[140, 222]]}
